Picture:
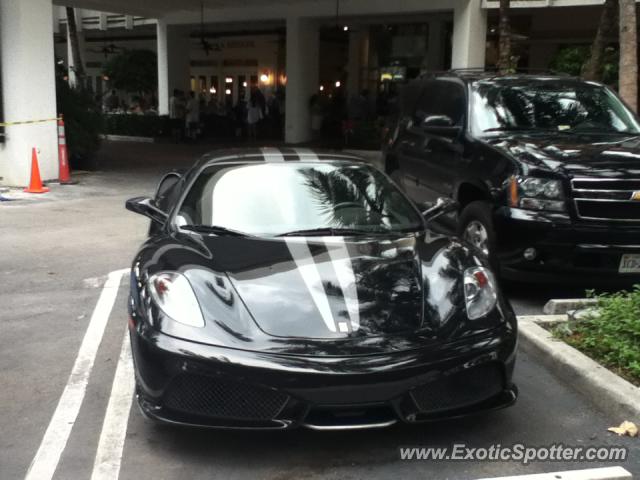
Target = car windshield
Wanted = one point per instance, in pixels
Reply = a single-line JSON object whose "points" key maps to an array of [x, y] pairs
{"points": [[568, 106], [282, 199]]}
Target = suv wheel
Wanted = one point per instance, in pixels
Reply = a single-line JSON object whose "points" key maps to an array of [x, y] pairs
{"points": [[476, 227]]}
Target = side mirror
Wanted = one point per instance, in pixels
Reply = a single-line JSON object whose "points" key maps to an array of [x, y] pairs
{"points": [[166, 183], [145, 206], [443, 206]]}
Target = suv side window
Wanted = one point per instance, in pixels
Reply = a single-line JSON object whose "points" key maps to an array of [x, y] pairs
{"points": [[441, 97]]}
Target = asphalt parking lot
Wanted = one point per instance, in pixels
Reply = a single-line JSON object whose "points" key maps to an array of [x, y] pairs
{"points": [[56, 255]]}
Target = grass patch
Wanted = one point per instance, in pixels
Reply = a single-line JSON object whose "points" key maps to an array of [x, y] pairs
{"points": [[612, 336]]}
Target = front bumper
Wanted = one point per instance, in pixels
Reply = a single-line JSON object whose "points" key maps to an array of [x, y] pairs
{"points": [[567, 251], [186, 383]]}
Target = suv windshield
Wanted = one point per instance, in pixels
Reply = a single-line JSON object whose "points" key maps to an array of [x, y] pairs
{"points": [[310, 198], [571, 106]]}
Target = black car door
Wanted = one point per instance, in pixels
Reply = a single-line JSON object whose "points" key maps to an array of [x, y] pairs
{"points": [[430, 161]]}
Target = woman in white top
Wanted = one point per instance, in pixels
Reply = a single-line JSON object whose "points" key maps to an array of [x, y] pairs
{"points": [[254, 115]]}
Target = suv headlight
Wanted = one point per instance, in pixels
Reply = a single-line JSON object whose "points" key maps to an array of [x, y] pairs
{"points": [[533, 193], [480, 292], [173, 294]]}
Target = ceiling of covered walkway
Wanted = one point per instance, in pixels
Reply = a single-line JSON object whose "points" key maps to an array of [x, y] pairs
{"points": [[164, 7], [184, 10]]}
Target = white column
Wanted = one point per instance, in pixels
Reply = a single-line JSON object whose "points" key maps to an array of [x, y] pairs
{"points": [[56, 19], [28, 89], [302, 77], [102, 21], [73, 79], [173, 62], [163, 68], [469, 34]]}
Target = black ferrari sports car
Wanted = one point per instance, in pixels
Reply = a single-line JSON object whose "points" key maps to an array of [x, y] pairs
{"points": [[285, 288]]}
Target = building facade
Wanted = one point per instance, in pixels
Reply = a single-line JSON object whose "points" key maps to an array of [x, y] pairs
{"points": [[220, 47]]}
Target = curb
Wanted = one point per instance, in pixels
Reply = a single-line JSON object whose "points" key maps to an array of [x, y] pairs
{"points": [[563, 305], [128, 138], [617, 397]]}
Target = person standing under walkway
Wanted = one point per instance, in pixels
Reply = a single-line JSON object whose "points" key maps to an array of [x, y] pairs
{"points": [[111, 102], [254, 115], [176, 115], [193, 116]]}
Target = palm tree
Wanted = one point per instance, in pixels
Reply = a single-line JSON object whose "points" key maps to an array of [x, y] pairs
{"points": [[78, 67], [504, 45], [628, 75], [593, 68]]}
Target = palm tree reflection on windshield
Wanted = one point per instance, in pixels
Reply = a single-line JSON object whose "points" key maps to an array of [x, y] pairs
{"points": [[348, 197], [549, 109]]}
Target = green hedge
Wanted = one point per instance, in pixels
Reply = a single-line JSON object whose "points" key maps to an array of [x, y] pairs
{"points": [[136, 125], [83, 124], [612, 335]]}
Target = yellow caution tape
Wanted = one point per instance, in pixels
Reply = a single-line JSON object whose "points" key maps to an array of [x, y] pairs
{"points": [[26, 122]]}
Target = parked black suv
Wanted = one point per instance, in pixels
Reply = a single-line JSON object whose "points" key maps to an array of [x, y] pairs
{"points": [[546, 170]]}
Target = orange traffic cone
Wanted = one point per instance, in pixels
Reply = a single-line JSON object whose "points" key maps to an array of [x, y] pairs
{"points": [[35, 184], [64, 175]]}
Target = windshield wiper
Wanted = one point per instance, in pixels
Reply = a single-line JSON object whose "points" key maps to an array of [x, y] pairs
{"points": [[214, 229], [588, 131], [326, 231]]}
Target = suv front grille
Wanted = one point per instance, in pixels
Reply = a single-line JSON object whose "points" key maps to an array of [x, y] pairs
{"points": [[606, 199]]}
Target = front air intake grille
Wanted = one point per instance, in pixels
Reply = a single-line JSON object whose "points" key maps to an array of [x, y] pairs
{"points": [[222, 398], [614, 200], [461, 389]]}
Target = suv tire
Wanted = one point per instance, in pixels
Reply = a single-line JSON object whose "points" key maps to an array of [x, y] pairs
{"points": [[476, 227]]}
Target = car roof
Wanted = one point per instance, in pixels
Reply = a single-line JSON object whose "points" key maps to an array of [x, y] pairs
{"points": [[274, 155], [473, 75]]}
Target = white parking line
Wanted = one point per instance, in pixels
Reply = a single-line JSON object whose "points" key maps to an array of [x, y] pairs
{"points": [[114, 427], [607, 473], [45, 462]]}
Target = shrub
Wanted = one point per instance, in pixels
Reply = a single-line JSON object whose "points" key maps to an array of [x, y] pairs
{"points": [[83, 122], [612, 335], [136, 125]]}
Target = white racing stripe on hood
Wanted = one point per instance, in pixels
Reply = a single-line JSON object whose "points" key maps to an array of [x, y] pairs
{"points": [[272, 155], [306, 154], [309, 272], [341, 261]]}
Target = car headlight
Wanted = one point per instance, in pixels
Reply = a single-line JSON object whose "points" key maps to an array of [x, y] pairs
{"points": [[173, 294], [480, 292], [533, 193]]}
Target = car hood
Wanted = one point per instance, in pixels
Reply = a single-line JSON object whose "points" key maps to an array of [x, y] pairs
{"points": [[333, 287], [576, 155], [363, 294]]}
